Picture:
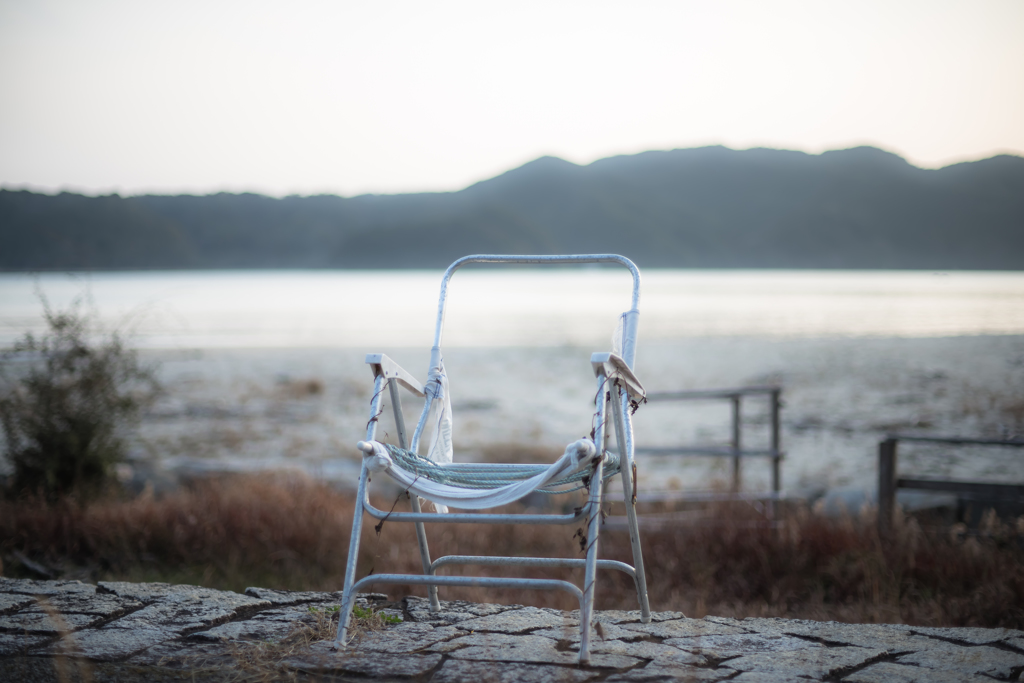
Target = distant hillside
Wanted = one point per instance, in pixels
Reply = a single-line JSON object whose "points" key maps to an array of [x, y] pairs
{"points": [[709, 207]]}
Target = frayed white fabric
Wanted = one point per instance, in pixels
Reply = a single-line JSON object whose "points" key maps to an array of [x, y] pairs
{"points": [[376, 459], [441, 450], [577, 454], [617, 335]]}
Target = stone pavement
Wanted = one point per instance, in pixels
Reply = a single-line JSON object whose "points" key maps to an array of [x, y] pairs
{"points": [[70, 631]]}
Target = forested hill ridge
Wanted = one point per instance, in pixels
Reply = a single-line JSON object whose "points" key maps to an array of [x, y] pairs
{"points": [[709, 207]]}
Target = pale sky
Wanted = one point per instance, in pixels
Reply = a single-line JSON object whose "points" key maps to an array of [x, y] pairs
{"points": [[348, 98]]}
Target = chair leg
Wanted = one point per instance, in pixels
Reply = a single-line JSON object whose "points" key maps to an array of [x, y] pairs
{"points": [[421, 538], [347, 598], [624, 435], [421, 532], [590, 574]]}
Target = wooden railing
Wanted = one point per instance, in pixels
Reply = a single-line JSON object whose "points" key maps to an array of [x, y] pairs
{"points": [[735, 448], [889, 481]]}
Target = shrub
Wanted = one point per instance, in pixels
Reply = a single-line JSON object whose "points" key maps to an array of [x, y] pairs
{"points": [[66, 398]]}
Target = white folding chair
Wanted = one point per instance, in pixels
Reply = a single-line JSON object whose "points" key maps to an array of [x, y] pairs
{"points": [[476, 486]]}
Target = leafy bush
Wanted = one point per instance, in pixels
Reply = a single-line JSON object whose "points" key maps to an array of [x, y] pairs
{"points": [[66, 398]]}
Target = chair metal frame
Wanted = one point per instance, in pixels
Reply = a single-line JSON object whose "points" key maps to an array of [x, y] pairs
{"points": [[617, 386]]}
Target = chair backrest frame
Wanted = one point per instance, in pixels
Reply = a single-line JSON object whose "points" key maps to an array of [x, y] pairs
{"points": [[630, 317]]}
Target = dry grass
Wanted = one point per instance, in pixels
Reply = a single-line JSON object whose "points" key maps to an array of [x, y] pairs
{"points": [[272, 530], [293, 534], [261, 661], [827, 569]]}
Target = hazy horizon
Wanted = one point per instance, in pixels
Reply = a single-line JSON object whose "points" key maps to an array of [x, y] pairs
{"points": [[54, 191]]}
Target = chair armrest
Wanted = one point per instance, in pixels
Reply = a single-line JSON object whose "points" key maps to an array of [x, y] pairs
{"points": [[613, 367], [382, 365]]}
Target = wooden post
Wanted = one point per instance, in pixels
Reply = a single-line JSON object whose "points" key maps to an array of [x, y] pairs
{"points": [[886, 485], [736, 444], [776, 443], [776, 455]]}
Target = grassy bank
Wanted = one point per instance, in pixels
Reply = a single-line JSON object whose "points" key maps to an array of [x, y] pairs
{"points": [[292, 533]]}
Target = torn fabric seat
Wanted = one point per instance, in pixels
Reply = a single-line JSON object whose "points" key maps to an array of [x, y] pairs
{"points": [[479, 486]]}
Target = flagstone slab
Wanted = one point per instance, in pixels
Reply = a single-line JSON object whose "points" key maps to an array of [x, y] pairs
{"points": [[181, 594], [769, 677], [322, 659], [16, 643], [615, 616], [11, 602], [522, 620], [684, 628], [251, 629], [657, 672], [978, 659], [459, 671], [892, 672], [816, 663], [34, 587], [186, 655], [128, 632], [407, 637], [501, 647], [49, 623], [101, 604], [276, 597], [191, 610], [973, 635], [645, 650], [890, 637], [271, 624], [603, 631], [109, 643], [451, 612], [737, 645]]}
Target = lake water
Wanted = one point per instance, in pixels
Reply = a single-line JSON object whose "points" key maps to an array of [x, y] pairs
{"points": [[266, 309], [859, 354]]}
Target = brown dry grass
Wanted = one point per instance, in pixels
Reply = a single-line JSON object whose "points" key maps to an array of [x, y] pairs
{"points": [[272, 530], [292, 533], [260, 661]]}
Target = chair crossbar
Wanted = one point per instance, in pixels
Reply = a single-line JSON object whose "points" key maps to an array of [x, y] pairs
{"points": [[556, 562], [454, 581], [546, 562], [462, 581], [475, 517]]}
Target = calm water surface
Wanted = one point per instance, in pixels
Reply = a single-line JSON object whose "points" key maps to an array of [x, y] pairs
{"points": [[266, 309]]}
